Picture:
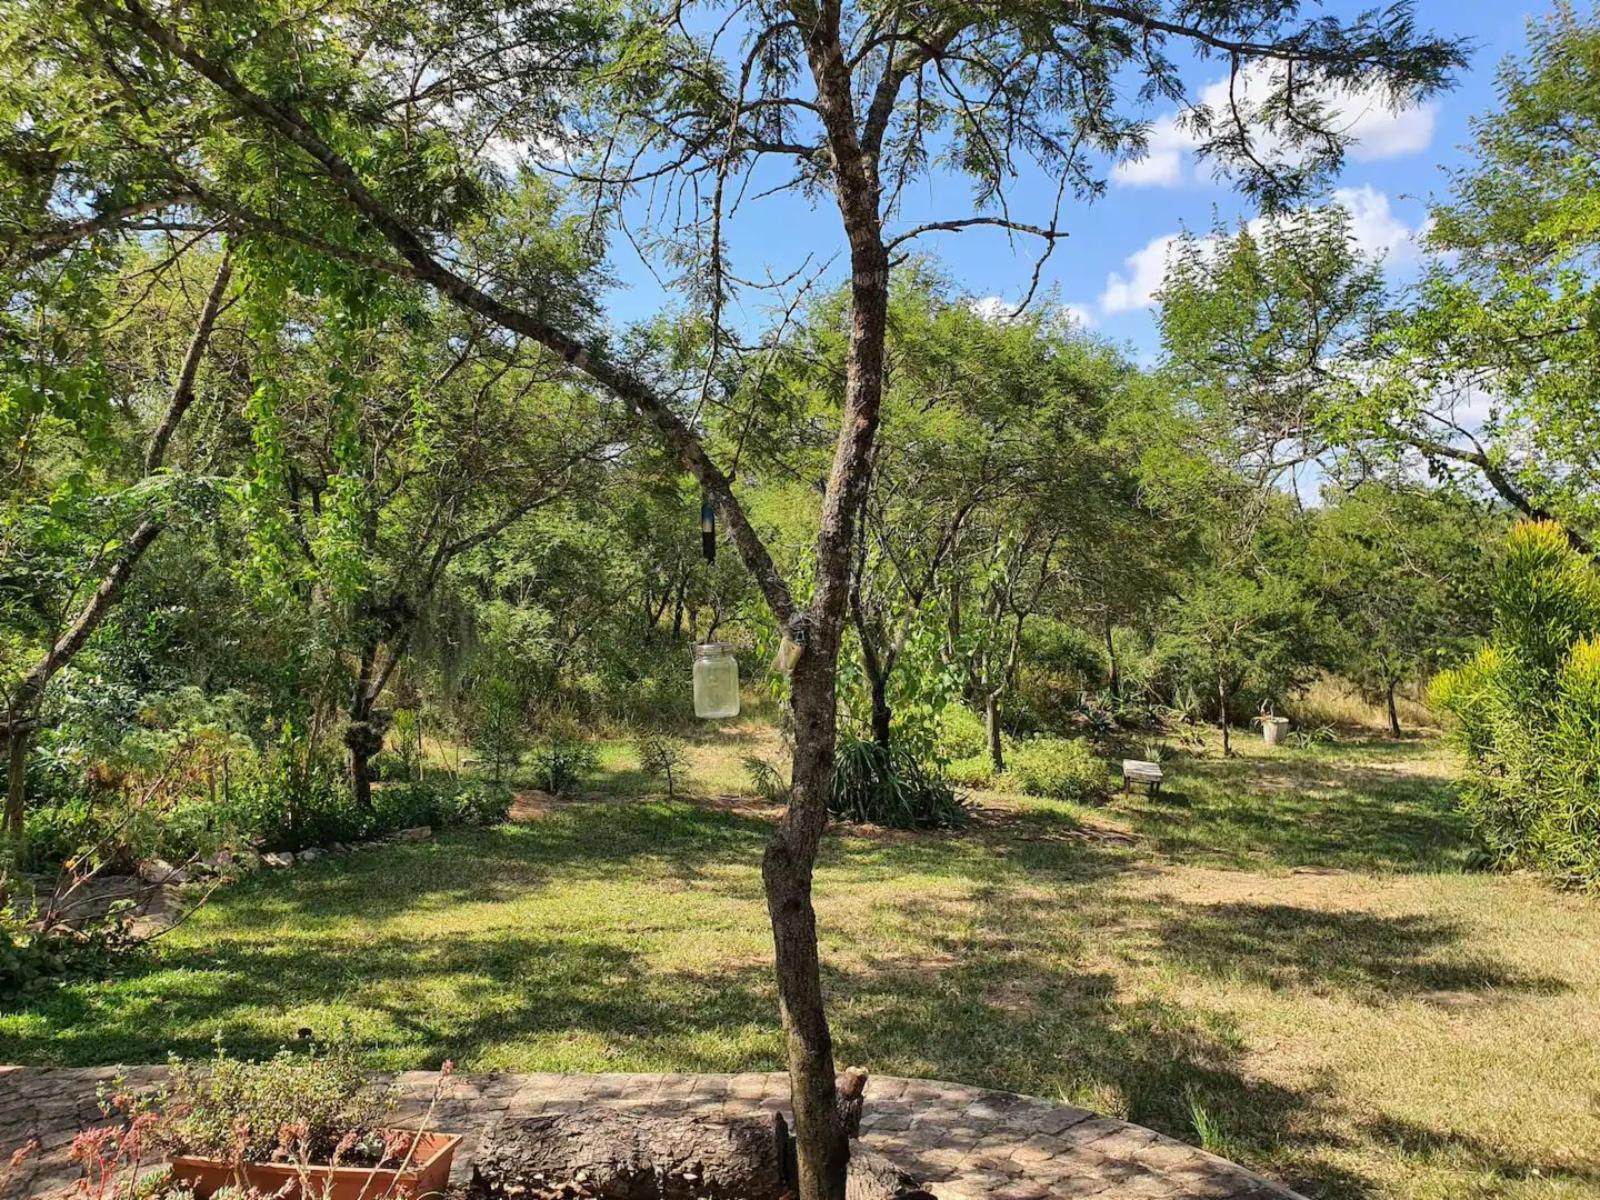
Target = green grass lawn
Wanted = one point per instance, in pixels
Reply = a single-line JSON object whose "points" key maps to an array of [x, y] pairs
{"points": [[1291, 962]]}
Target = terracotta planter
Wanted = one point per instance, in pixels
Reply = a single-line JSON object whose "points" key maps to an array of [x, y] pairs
{"points": [[426, 1175]]}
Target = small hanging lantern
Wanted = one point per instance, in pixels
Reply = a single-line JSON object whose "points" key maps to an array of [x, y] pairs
{"points": [[708, 529], [716, 681]]}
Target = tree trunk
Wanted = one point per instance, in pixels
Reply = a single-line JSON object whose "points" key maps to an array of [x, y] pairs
{"points": [[1394, 713], [1222, 717], [821, 1140], [1113, 674], [17, 740], [882, 715], [363, 733], [991, 723]]}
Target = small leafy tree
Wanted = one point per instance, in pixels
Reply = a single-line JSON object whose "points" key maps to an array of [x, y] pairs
{"points": [[500, 731], [1400, 576], [662, 756], [1239, 632]]}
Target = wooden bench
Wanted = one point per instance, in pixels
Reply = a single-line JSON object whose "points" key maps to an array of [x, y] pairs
{"points": [[1136, 771]]}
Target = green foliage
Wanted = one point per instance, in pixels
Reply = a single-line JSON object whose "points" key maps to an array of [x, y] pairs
{"points": [[407, 734], [1239, 632], [977, 771], [1402, 575], [1308, 737], [474, 802], [1527, 711], [499, 732], [962, 733], [890, 787], [558, 763], [1058, 768], [1510, 298], [238, 1109], [662, 756], [766, 780]]}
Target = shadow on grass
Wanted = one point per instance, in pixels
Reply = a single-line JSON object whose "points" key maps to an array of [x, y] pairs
{"points": [[1459, 1151], [1363, 955]]}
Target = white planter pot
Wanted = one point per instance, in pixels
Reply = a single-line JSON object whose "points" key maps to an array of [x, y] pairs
{"points": [[1273, 729]]}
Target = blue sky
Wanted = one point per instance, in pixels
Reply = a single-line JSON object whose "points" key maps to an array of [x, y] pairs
{"points": [[1114, 254]]}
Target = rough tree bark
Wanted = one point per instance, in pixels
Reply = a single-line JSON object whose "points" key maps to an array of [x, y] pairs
{"points": [[991, 726], [1394, 712], [1113, 673], [17, 741], [644, 1154], [1222, 716]]}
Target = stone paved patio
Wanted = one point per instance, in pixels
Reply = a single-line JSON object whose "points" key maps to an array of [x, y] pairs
{"points": [[964, 1142]]}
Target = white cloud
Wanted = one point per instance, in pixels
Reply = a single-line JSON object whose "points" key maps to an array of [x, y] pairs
{"points": [[1145, 269], [1381, 133], [994, 308], [998, 308], [1374, 227], [1166, 158], [1080, 315], [1361, 113]]}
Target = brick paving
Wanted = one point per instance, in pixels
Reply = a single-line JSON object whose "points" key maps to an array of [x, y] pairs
{"points": [[963, 1142]]}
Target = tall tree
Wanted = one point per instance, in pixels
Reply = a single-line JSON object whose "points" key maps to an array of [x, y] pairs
{"points": [[359, 133], [391, 437], [1402, 575], [66, 570], [1505, 316]]}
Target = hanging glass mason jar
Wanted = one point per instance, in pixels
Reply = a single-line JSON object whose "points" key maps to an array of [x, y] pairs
{"points": [[716, 681]]}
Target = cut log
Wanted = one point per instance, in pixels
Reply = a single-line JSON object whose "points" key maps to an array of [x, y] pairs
{"points": [[627, 1154]]}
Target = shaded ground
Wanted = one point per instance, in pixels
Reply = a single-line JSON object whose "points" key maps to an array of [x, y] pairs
{"points": [[1284, 959]]}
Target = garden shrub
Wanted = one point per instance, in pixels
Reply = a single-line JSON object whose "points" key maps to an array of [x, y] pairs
{"points": [[558, 763], [477, 802], [766, 780], [1057, 768], [889, 787], [973, 771], [295, 796], [64, 829], [388, 767], [961, 733], [1526, 711]]}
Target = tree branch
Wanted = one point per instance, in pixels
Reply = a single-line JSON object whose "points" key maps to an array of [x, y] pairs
{"points": [[426, 269]]}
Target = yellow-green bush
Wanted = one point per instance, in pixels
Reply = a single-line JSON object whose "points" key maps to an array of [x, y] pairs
{"points": [[1058, 768], [961, 733], [1527, 711]]}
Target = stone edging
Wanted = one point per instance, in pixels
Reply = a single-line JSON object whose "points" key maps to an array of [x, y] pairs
{"points": [[965, 1142]]}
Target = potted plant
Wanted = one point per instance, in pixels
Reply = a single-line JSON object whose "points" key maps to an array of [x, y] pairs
{"points": [[296, 1126]]}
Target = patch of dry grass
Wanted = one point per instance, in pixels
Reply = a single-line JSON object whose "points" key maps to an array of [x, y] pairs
{"points": [[1337, 702]]}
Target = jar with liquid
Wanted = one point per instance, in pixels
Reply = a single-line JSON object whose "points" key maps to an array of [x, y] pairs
{"points": [[716, 681]]}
